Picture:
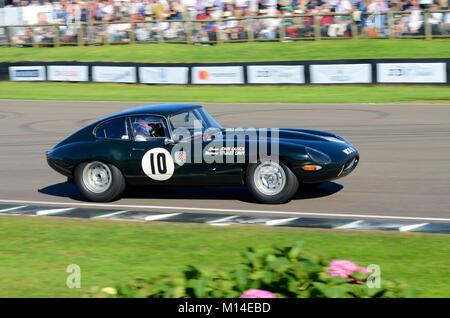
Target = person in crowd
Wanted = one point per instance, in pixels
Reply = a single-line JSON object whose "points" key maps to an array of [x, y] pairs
{"points": [[378, 18], [21, 36], [118, 32], [326, 20], [208, 29], [343, 6], [270, 26], [415, 23], [341, 25]]}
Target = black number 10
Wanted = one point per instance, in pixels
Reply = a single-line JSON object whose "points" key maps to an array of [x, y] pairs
{"points": [[160, 163]]}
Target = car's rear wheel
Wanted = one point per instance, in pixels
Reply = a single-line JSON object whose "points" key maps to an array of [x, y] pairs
{"points": [[99, 181], [271, 182]]}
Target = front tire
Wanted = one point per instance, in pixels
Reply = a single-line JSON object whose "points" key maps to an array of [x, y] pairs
{"points": [[271, 182], [98, 181]]}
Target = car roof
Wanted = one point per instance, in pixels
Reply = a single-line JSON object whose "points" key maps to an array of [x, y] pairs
{"points": [[160, 109]]}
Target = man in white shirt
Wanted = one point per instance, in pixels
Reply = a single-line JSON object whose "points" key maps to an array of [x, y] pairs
{"points": [[343, 6], [415, 19], [118, 32]]}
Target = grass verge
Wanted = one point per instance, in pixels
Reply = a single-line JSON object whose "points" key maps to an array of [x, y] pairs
{"points": [[225, 94], [34, 258], [238, 52]]}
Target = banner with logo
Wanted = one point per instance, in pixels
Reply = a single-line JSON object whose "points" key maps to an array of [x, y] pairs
{"points": [[67, 73], [218, 75], [27, 73], [411, 73], [163, 75], [275, 74], [35, 14], [114, 74], [11, 16], [341, 73]]}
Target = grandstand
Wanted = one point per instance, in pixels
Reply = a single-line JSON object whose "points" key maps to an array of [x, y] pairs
{"points": [[54, 23]]}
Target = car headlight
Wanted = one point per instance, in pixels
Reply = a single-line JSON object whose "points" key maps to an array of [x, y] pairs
{"points": [[317, 156]]}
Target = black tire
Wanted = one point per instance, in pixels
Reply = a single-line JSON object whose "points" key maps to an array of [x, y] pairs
{"points": [[287, 192], [113, 191]]}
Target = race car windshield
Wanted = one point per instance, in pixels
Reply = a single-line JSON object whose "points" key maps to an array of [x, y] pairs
{"points": [[188, 118]]}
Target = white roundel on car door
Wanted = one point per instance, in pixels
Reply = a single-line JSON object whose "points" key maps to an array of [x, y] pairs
{"points": [[157, 164]]}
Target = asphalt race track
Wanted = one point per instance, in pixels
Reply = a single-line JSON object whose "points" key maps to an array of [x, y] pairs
{"points": [[404, 170]]}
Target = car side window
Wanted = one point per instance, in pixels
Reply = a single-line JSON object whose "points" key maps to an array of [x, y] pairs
{"points": [[146, 128], [186, 120], [113, 129]]}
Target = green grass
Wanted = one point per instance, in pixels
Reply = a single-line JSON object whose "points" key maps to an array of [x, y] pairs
{"points": [[223, 94], [37, 251], [239, 52]]}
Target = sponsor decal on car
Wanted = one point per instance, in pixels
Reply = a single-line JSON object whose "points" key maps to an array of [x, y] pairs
{"points": [[180, 157], [227, 151], [348, 150]]}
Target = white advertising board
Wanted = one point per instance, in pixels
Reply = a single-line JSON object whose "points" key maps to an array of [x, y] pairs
{"points": [[67, 73], [341, 73], [114, 74], [218, 75], [276, 74], [411, 73], [27, 73], [163, 75]]}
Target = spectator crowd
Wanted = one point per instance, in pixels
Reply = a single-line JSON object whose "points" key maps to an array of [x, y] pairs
{"points": [[150, 19]]}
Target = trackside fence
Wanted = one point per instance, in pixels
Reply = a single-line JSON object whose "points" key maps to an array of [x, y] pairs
{"points": [[426, 24]]}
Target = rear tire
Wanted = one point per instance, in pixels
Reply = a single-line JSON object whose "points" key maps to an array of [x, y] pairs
{"points": [[98, 181], [271, 182]]}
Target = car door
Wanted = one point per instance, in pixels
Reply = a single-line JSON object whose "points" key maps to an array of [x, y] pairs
{"points": [[153, 159], [149, 155], [194, 142]]}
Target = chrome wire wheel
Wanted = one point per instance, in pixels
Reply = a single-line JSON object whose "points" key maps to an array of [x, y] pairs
{"points": [[97, 177], [269, 178]]}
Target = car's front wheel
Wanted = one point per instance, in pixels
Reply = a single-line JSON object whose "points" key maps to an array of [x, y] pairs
{"points": [[271, 182], [99, 181]]}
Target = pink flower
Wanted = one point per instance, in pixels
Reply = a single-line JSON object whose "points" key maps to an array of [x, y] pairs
{"points": [[345, 268], [257, 293]]}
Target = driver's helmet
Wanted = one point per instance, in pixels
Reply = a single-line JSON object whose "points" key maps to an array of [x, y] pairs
{"points": [[142, 131]]}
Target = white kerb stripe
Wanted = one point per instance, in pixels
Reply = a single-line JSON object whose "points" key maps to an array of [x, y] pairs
{"points": [[12, 209], [223, 219], [110, 214], [411, 227], [349, 225], [281, 221], [53, 211], [159, 217]]}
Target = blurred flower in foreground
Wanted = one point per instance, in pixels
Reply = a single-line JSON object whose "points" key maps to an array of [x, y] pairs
{"points": [[109, 290], [257, 293], [345, 268]]}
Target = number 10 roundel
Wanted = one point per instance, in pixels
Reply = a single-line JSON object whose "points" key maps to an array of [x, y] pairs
{"points": [[158, 164]]}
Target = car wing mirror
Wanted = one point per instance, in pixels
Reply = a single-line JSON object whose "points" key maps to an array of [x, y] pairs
{"points": [[168, 141]]}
